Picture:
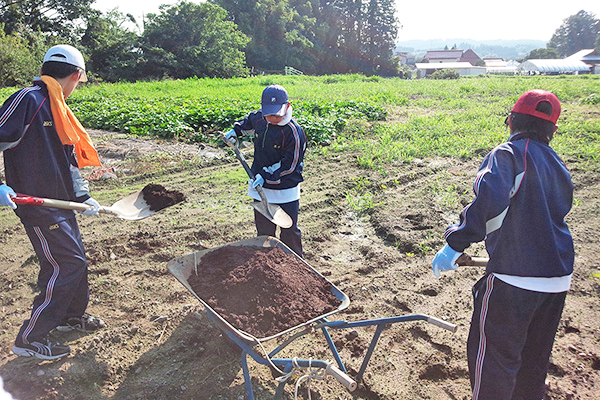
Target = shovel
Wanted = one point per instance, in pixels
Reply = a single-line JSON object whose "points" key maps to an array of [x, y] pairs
{"points": [[132, 207], [273, 212]]}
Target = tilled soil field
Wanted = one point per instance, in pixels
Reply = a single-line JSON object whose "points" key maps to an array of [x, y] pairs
{"points": [[160, 344]]}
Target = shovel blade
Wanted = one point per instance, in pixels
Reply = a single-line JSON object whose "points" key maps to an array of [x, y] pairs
{"points": [[132, 207], [273, 213]]}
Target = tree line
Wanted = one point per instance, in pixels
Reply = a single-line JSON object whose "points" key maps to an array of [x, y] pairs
{"points": [[225, 38], [218, 38]]}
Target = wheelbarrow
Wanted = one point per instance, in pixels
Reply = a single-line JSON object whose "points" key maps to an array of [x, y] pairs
{"points": [[183, 267]]}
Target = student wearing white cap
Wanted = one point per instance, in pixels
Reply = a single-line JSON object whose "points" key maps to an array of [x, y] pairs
{"points": [[44, 146]]}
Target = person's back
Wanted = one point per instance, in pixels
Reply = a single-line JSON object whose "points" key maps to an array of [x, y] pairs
{"points": [[523, 192], [533, 238]]}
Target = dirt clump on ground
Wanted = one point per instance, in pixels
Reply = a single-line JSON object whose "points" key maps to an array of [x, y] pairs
{"points": [[261, 291], [158, 197]]}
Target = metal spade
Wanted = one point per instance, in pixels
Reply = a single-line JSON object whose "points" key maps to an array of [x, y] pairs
{"points": [[272, 212], [132, 207]]}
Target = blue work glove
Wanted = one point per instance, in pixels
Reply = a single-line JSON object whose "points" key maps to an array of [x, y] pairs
{"points": [[272, 168], [6, 194], [257, 181], [93, 210], [445, 260], [231, 137]]}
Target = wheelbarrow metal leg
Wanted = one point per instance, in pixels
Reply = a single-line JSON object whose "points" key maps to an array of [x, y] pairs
{"points": [[281, 387], [363, 367], [246, 371], [333, 349]]}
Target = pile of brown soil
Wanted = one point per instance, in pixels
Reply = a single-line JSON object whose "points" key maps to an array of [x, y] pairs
{"points": [[262, 291], [158, 197]]}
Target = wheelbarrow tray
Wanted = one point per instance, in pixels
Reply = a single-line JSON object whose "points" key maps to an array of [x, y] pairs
{"points": [[183, 267]]}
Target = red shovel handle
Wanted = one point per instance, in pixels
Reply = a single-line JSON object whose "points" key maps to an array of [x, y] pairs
{"points": [[28, 200], [41, 201]]}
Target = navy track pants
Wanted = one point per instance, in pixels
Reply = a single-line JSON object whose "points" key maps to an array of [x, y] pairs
{"points": [[510, 340], [292, 237], [63, 280]]}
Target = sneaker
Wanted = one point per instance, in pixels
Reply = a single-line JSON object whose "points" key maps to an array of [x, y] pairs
{"points": [[85, 323], [44, 349]]}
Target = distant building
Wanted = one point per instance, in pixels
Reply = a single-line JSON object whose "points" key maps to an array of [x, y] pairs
{"points": [[452, 56], [499, 66], [406, 58], [582, 62], [463, 68]]}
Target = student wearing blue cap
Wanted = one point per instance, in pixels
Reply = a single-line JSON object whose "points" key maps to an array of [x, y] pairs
{"points": [[279, 146]]}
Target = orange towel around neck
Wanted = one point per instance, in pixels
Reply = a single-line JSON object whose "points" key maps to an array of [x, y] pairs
{"points": [[70, 131]]}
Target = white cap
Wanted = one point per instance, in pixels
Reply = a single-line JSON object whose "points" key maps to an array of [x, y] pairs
{"points": [[67, 54]]}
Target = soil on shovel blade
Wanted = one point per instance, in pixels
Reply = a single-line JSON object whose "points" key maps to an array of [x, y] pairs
{"points": [[158, 197], [262, 291]]}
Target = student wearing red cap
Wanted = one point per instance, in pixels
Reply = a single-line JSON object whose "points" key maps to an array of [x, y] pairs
{"points": [[523, 191]]}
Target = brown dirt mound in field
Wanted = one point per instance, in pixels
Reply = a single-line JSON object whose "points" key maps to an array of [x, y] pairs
{"points": [[158, 197], [262, 291]]}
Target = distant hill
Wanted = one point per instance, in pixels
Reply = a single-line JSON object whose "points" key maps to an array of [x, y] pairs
{"points": [[506, 49]]}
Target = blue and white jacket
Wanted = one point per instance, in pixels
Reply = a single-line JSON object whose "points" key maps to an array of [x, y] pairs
{"points": [[278, 155], [36, 163], [523, 193]]}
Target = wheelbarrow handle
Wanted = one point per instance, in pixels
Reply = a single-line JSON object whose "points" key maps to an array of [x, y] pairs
{"points": [[466, 260], [341, 377], [441, 323]]}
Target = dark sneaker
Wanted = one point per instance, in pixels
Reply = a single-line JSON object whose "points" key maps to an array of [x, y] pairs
{"points": [[85, 323], [44, 349]]}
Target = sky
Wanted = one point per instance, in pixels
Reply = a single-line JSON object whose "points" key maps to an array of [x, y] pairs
{"points": [[443, 19]]}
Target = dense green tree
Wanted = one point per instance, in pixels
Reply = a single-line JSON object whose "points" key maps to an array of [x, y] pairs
{"points": [[21, 55], [189, 39], [380, 36], [61, 18], [577, 32], [112, 50], [542, 53], [279, 30]]}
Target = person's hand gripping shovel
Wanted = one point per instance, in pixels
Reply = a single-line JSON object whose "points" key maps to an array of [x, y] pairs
{"points": [[272, 212]]}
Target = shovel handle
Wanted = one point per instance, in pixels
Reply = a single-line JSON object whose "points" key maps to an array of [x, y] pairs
{"points": [[241, 158], [466, 260], [40, 201], [62, 204], [239, 155]]}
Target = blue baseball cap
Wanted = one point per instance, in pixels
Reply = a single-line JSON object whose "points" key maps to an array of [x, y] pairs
{"points": [[274, 100]]}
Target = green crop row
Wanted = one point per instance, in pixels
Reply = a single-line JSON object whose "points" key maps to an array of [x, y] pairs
{"points": [[459, 117], [196, 120]]}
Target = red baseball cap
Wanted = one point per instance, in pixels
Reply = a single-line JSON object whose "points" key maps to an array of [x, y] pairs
{"points": [[529, 101]]}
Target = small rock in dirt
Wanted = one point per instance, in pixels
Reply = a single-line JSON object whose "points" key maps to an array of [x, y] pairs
{"points": [[351, 335]]}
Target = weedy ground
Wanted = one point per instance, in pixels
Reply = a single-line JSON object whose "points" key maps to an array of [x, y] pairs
{"points": [[371, 231]]}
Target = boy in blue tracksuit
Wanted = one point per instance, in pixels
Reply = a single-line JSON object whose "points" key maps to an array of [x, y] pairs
{"points": [[44, 146], [523, 193], [279, 146]]}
